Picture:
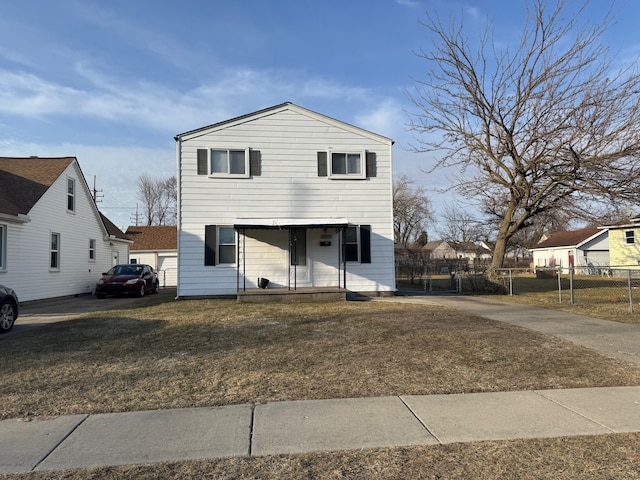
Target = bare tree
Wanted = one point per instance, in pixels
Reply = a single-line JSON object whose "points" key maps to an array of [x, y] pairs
{"points": [[411, 211], [158, 196], [543, 124], [459, 225]]}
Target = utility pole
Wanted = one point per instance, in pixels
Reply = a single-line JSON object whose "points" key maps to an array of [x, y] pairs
{"points": [[136, 217], [97, 194]]}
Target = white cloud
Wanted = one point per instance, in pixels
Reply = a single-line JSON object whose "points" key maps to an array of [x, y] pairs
{"points": [[116, 170], [408, 3], [386, 118]]}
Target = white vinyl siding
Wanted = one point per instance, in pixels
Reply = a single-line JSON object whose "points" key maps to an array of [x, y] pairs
{"points": [[288, 187], [28, 245]]}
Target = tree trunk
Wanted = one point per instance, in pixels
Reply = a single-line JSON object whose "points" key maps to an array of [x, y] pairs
{"points": [[499, 252]]}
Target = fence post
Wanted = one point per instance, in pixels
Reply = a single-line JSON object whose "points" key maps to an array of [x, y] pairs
{"points": [[559, 285], [571, 292], [511, 282], [630, 291]]}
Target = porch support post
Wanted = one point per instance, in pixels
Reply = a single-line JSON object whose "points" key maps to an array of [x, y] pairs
{"points": [[289, 262], [339, 232], [237, 260], [244, 259], [344, 258]]}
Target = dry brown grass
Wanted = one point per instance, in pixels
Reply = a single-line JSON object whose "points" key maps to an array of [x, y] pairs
{"points": [[214, 352], [602, 457], [594, 296]]}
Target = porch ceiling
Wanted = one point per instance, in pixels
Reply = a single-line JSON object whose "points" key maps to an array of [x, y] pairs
{"points": [[283, 223]]}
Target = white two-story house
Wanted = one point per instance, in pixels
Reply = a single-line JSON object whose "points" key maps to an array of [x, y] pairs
{"points": [[287, 195]]}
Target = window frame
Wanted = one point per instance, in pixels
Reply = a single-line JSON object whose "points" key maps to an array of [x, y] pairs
{"points": [[348, 176], [247, 167], [3, 247], [55, 251], [92, 249], [220, 245], [71, 194], [356, 243], [629, 237]]}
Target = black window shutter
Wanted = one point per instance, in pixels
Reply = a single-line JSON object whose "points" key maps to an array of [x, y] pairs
{"points": [[209, 245], [365, 243], [322, 164], [255, 167], [372, 169], [202, 161]]}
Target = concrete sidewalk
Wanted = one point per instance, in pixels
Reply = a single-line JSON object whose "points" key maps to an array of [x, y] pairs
{"points": [[613, 339], [82, 441]]}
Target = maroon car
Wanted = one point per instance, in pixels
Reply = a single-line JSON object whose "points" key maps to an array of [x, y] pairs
{"points": [[130, 279]]}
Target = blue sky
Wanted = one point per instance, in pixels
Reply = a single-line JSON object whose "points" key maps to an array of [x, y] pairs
{"points": [[112, 83]]}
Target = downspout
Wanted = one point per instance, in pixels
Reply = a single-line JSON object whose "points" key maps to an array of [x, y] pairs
{"points": [[179, 207]]}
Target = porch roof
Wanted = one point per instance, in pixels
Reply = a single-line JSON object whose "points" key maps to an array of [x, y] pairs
{"points": [[283, 223]]}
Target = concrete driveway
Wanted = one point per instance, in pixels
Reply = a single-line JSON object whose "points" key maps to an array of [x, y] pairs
{"points": [[38, 313]]}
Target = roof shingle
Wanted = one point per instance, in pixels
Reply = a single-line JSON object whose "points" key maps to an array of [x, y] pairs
{"points": [[153, 238], [25, 180]]}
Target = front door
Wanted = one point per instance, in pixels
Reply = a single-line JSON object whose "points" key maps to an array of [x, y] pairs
{"points": [[299, 268]]}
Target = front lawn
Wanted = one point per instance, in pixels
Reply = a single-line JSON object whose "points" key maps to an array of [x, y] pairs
{"points": [[216, 352]]}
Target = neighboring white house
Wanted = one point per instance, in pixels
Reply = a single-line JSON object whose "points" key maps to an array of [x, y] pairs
{"points": [[156, 246], [587, 249], [53, 240], [449, 250], [285, 194]]}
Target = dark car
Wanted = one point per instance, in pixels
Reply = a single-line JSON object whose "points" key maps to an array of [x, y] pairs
{"points": [[130, 279], [8, 308]]}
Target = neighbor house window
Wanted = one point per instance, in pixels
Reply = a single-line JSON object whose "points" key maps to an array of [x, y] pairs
{"points": [[55, 251], [71, 194], [3, 247], [219, 245], [92, 249], [629, 237], [347, 164]]}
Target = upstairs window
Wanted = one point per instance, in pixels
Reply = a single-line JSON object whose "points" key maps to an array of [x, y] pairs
{"points": [[347, 164], [220, 162], [71, 194], [229, 162], [629, 237]]}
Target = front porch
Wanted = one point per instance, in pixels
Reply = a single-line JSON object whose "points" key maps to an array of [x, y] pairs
{"points": [[285, 295]]}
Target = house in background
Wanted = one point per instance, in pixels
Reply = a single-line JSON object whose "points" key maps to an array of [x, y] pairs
{"points": [[470, 252], [624, 244], [156, 246], [53, 240], [587, 249], [284, 194]]}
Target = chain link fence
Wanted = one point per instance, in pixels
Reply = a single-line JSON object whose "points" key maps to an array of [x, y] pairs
{"points": [[615, 288]]}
